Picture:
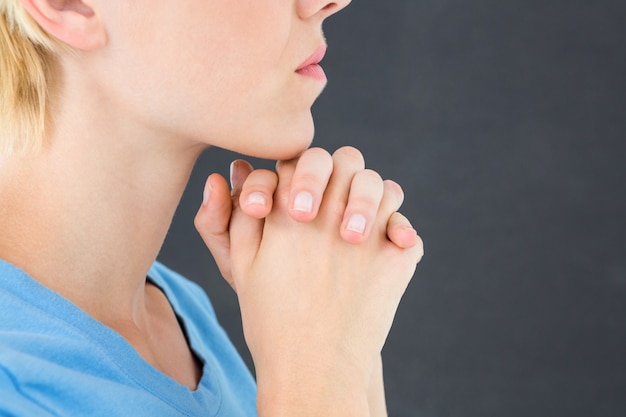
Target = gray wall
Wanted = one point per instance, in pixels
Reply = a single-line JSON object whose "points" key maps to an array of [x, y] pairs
{"points": [[504, 120]]}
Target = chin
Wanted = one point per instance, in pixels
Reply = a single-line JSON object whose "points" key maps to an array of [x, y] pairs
{"points": [[288, 143], [289, 150]]}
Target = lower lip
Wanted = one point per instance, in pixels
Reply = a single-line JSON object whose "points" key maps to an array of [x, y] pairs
{"points": [[314, 71]]}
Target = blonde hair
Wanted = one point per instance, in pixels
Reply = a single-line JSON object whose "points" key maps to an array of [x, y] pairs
{"points": [[25, 57]]}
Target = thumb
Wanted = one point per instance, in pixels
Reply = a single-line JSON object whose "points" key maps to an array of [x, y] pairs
{"points": [[212, 222]]}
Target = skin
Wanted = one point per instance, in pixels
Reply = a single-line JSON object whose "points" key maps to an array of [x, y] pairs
{"points": [[343, 274], [87, 216]]}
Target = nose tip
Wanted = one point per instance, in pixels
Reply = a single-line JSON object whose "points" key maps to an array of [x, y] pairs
{"points": [[341, 4], [323, 8]]}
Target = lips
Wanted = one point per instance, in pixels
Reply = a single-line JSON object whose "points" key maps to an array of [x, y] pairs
{"points": [[314, 59], [311, 68]]}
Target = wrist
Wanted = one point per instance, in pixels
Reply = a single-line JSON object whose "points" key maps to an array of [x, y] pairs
{"points": [[306, 399], [305, 391]]}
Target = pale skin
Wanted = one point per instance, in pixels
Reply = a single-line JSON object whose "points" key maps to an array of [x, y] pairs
{"points": [[88, 214]]}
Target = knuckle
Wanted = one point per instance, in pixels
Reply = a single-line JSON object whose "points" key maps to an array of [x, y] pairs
{"points": [[261, 178], [394, 186], [367, 188], [350, 153], [309, 181], [370, 175], [317, 159], [364, 202], [395, 189], [316, 152]]}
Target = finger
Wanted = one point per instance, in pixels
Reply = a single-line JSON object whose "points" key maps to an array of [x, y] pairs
{"points": [[257, 192], [245, 231], [401, 233], [239, 171], [347, 162], [212, 221], [395, 225], [285, 171], [366, 192], [308, 184], [393, 197]]}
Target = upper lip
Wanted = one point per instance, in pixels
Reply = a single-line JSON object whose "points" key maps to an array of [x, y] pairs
{"points": [[315, 58]]}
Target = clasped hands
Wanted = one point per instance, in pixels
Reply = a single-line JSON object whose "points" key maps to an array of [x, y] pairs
{"points": [[319, 257]]}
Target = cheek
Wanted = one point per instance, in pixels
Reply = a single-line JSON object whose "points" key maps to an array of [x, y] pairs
{"points": [[223, 77]]}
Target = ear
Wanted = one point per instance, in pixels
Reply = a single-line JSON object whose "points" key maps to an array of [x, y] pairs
{"points": [[73, 22]]}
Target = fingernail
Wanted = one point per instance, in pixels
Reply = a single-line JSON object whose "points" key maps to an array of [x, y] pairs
{"points": [[303, 202], [256, 198], [357, 223], [231, 174], [207, 193]]}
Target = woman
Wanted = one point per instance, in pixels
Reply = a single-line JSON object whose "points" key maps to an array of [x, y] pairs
{"points": [[106, 105]]}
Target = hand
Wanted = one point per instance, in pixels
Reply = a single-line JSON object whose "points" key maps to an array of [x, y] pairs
{"points": [[254, 190], [312, 299]]}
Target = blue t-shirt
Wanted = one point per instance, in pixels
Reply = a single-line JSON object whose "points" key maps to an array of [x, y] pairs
{"points": [[56, 360]]}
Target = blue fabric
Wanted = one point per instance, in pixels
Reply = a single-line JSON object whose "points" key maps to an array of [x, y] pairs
{"points": [[55, 360]]}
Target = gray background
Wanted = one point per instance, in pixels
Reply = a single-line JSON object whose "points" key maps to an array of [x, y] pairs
{"points": [[504, 122]]}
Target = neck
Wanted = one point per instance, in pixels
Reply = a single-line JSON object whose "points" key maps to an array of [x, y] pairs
{"points": [[87, 215]]}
